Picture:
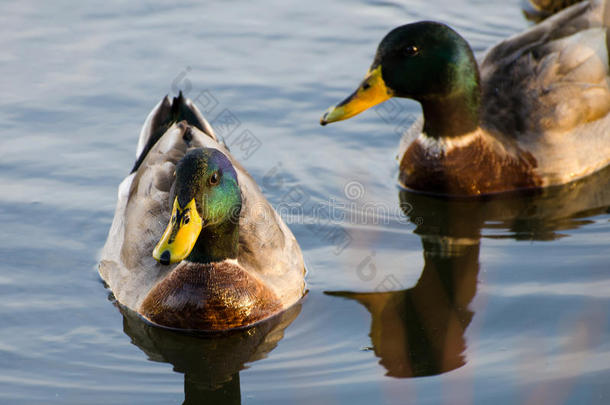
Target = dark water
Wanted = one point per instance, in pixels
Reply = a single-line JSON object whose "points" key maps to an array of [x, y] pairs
{"points": [[502, 301]]}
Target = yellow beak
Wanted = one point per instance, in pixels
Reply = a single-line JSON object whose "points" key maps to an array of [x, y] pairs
{"points": [[181, 234], [372, 91]]}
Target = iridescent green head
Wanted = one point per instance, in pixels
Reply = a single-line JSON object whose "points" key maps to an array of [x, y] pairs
{"points": [[428, 62], [424, 60], [207, 176], [207, 203]]}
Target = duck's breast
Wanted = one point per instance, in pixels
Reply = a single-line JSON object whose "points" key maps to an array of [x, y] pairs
{"points": [[213, 297]]}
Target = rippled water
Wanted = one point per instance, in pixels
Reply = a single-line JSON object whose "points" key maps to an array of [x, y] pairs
{"points": [[504, 300]]}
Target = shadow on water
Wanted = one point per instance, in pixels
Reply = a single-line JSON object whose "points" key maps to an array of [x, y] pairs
{"points": [[210, 363], [420, 331]]}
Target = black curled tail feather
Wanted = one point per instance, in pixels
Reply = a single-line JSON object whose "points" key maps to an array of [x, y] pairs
{"points": [[168, 113]]}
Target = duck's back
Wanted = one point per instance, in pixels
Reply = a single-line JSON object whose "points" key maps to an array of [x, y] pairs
{"points": [[547, 88]]}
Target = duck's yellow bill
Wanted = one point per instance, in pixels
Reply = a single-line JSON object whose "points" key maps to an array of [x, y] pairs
{"points": [[181, 234], [371, 92]]}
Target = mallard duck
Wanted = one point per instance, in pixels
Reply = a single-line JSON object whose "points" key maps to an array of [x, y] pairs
{"points": [[533, 114], [538, 10], [225, 259]]}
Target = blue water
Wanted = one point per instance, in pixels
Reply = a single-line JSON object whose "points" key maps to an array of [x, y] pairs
{"points": [[502, 301]]}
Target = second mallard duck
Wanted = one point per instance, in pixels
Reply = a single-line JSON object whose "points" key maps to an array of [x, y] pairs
{"points": [[535, 113]]}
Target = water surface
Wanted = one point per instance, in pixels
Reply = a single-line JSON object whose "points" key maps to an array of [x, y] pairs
{"points": [[422, 300]]}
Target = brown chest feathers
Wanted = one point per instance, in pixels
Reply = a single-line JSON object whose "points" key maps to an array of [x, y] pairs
{"points": [[212, 297], [472, 168]]}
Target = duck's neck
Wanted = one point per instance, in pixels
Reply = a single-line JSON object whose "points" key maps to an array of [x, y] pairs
{"points": [[452, 116], [456, 111], [216, 243]]}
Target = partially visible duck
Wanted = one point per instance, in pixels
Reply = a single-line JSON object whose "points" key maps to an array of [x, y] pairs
{"points": [[538, 10], [534, 113]]}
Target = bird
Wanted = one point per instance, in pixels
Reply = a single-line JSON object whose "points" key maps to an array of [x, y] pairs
{"points": [[538, 10], [194, 244], [534, 113]]}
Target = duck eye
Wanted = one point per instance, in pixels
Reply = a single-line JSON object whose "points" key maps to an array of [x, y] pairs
{"points": [[214, 178], [411, 50], [186, 219]]}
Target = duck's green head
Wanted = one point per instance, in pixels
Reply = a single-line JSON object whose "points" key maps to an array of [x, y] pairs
{"points": [[423, 61], [207, 196]]}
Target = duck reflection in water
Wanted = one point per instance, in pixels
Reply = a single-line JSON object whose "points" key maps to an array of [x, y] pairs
{"points": [[421, 331], [210, 362]]}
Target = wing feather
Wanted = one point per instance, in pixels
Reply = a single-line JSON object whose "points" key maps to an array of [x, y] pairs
{"points": [[553, 77]]}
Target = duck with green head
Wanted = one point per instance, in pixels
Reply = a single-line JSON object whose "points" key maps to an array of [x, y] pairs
{"points": [[535, 113], [194, 244], [209, 289]]}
